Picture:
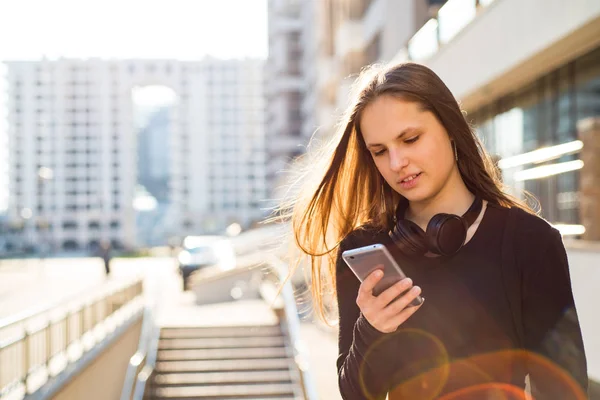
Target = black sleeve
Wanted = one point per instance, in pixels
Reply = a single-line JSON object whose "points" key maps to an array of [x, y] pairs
{"points": [[362, 367], [551, 326]]}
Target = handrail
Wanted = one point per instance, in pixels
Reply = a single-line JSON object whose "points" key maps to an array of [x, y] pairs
{"points": [[141, 364], [293, 323], [146, 374], [36, 348], [39, 310]]}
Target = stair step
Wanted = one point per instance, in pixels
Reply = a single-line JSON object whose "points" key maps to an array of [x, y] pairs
{"points": [[213, 343], [226, 391], [223, 365], [220, 332], [220, 378], [223, 354]]}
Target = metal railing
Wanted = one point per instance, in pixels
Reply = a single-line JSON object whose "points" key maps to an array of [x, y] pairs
{"points": [[289, 312], [33, 342], [141, 364]]}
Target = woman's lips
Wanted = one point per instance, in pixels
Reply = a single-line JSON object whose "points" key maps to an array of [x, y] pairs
{"points": [[409, 184]]}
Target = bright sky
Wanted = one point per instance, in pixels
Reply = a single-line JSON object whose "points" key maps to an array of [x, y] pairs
{"points": [[181, 29], [174, 29]]}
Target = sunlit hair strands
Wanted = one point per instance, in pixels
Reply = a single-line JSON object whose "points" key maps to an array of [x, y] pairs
{"points": [[341, 188]]}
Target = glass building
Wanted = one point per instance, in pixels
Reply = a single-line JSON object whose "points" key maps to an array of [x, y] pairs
{"points": [[544, 114]]}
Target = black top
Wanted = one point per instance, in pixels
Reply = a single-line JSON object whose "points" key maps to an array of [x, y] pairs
{"points": [[464, 335]]}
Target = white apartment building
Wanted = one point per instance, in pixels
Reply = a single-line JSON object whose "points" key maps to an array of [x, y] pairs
{"points": [[72, 147]]}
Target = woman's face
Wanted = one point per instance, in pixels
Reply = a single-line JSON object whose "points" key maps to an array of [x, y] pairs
{"points": [[409, 146]]}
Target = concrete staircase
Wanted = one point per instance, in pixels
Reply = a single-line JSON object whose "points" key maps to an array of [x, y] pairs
{"points": [[225, 363]]}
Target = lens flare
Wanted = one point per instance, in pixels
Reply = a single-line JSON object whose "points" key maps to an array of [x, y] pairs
{"points": [[431, 375], [421, 351], [496, 391]]}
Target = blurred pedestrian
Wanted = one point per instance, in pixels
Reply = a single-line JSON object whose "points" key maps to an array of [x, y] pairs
{"points": [[105, 254], [406, 170]]}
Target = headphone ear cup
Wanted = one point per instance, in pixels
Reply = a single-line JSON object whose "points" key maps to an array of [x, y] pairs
{"points": [[446, 234], [410, 238]]}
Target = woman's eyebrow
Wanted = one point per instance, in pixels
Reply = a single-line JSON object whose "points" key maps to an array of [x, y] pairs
{"points": [[404, 132]]}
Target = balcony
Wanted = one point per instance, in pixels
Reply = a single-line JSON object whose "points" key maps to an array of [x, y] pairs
{"points": [[503, 44], [286, 24], [349, 38], [326, 75]]}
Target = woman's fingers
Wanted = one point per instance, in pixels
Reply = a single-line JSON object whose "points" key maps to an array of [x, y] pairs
{"points": [[401, 317], [365, 292], [393, 291], [391, 308], [403, 302]]}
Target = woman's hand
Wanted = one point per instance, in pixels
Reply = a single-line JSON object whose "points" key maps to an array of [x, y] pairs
{"points": [[383, 312]]}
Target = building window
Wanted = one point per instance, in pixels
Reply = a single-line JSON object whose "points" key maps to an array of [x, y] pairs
{"points": [[545, 113], [587, 77], [70, 245], [94, 225], [69, 225]]}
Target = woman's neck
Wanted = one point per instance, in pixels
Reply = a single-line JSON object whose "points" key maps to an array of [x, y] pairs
{"points": [[454, 198]]}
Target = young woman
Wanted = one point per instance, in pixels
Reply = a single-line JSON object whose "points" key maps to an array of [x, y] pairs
{"points": [[404, 154]]}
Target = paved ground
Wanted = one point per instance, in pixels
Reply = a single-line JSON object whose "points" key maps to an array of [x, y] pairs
{"points": [[322, 350], [29, 284]]}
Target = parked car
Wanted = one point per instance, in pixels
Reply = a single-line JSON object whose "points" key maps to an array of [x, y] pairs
{"points": [[204, 251]]}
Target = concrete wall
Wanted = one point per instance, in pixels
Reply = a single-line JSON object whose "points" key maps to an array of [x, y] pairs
{"points": [[513, 41], [396, 21], [584, 262], [400, 22], [103, 378]]}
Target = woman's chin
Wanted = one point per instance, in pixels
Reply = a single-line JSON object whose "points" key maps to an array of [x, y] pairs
{"points": [[415, 196]]}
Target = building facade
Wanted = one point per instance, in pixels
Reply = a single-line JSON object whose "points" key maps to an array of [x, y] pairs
{"points": [[285, 89], [352, 34], [528, 75], [73, 147], [316, 49]]}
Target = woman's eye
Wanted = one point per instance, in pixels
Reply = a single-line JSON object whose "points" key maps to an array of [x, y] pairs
{"points": [[378, 153], [411, 140]]}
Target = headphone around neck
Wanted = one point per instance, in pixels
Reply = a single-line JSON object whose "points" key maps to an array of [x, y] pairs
{"points": [[445, 235]]}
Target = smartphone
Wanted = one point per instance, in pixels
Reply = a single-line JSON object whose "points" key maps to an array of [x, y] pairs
{"points": [[364, 260]]}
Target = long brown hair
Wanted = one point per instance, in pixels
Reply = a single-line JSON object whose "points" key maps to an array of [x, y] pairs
{"points": [[343, 190]]}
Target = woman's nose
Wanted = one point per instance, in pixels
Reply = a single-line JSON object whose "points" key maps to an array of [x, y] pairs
{"points": [[398, 160]]}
